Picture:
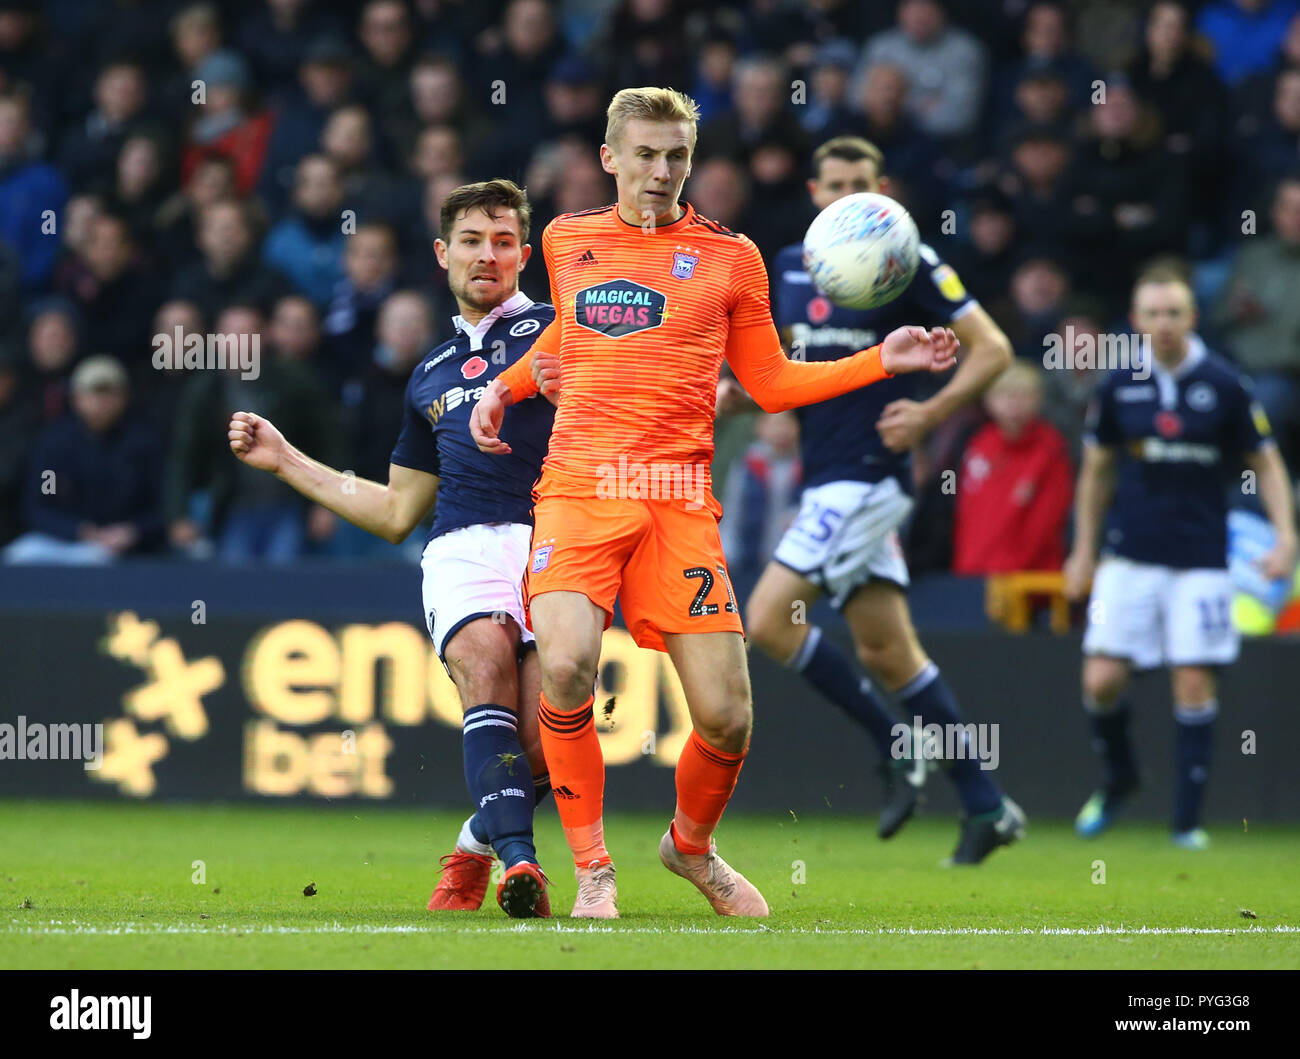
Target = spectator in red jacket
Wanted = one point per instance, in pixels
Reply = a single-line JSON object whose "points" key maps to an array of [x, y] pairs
{"points": [[1015, 484]]}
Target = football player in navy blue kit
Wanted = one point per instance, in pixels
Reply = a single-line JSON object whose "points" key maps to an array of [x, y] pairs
{"points": [[1162, 449], [857, 491], [473, 561]]}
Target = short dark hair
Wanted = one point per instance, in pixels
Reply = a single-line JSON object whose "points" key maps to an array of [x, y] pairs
{"points": [[848, 149], [490, 196]]}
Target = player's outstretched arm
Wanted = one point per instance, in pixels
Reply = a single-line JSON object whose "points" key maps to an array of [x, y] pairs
{"points": [[1091, 500], [777, 383], [389, 511], [1276, 498]]}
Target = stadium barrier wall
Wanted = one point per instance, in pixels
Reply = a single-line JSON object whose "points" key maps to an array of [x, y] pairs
{"points": [[320, 684]]}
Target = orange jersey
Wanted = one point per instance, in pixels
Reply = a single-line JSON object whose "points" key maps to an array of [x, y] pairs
{"points": [[644, 318]]}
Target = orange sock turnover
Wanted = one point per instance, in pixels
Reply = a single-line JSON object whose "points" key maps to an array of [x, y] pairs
{"points": [[577, 768], [706, 776]]}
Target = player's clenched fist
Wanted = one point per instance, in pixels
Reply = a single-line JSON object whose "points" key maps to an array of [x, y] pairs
{"points": [[256, 441], [916, 349], [485, 421], [546, 373]]}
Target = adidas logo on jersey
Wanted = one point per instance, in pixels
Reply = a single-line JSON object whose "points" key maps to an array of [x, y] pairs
{"points": [[565, 793], [587, 259]]}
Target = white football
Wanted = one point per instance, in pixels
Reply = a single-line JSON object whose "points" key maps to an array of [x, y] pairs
{"points": [[862, 250]]}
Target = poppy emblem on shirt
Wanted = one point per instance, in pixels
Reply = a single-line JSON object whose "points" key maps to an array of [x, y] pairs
{"points": [[1168, 424], [473, 368], [819, 310]]}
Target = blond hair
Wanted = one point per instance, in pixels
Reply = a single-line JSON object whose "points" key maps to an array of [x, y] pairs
{"points": [[1018, 372], [649, 104]]}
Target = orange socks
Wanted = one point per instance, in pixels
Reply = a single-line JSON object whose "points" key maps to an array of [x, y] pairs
{"points": [[577, 768], [706, 776]]}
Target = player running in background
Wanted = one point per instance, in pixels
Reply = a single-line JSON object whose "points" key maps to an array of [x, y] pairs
{"points": [[857, 491], [1159, 457], [474, 557], [649, 299]]}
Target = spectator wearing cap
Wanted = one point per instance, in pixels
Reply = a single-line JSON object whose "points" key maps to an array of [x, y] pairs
{"points": [[93, 487], [985, 258], [1259, 315], [325, 83], [307, 245], [1245, 34], [826, 114], [1014, 486], [114, 294], [31, 192], [222, 123], [946, 67], [230, 269], [1040, 98], [18, 422], [52, 349], [1037, 184], [119, 101]]}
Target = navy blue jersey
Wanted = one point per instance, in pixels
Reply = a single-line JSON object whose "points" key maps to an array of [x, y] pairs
{"points": [[477, 487], [838, 438], [1179, 438]]}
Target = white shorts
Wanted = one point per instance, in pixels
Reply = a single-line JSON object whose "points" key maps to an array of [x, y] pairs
{"points": [[1160, 615], [471, 573], [846, 533]]}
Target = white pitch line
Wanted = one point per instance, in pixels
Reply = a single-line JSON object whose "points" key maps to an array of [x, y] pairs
{"points": [[56, 927]]}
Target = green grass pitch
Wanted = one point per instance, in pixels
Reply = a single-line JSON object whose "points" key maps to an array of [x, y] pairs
{"points": [[114, 886]]}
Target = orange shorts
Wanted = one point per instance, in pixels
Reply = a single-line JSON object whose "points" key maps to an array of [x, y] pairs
{"points": [[662, 558]]}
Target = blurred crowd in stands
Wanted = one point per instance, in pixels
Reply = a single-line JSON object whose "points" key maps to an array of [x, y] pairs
{"points": [[276, 168]]}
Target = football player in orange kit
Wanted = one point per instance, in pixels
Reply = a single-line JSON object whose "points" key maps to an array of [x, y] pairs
{"points": [[649, 298]]}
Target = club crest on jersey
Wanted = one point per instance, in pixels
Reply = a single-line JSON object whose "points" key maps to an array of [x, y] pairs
{"points": [[525, 327], [819, 310], [473, 368], [684, 265], [618, 308], [1168, 424], [541, 557], [1201, 397]]}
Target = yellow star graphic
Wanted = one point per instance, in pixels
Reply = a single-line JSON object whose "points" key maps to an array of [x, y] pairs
{"points": [[129, 758], [130, 638], [175, 690]]}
